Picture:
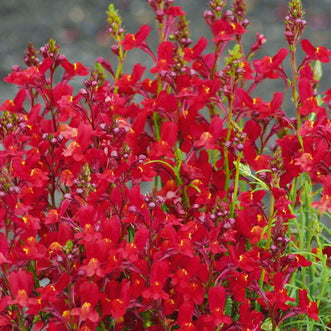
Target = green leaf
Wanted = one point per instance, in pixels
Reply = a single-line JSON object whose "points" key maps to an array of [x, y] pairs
{"points": [[245, 171], [235, 52], [131, 233], [99, 68], [68, 246], [267, 325], [318, 70]]}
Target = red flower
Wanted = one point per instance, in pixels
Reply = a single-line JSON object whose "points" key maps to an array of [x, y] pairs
{"points": [[185, 314], [127, 82], [175, 11], [21, 285], [119, 305], [316, 53], [251, 320], [165, 58], [270, 67], [305, 161], [76, 69], [195, 292], [278, 298], [192, 53], [93, 268], [324, 204], [224, 30], [15, 105], [131, 41], [23, 77], [86, 312], [216, 298], [308, 307], [74, 150], [266, 109], [308, 100], [38, 178], [159, 274]]}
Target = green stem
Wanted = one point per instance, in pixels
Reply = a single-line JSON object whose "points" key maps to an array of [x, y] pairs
{"points": [[269, 233], [325, 280], [271, 216], [178, 179], [294, 89], [20, 319], [236, 186], [226, 151], [121, 56], [156, 126], [227, 168]]}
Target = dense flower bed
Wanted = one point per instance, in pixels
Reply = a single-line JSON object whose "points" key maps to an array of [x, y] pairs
{"points": [[170, 197]]}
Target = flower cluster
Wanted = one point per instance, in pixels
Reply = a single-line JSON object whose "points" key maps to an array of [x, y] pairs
{"points": [[160, 199]]}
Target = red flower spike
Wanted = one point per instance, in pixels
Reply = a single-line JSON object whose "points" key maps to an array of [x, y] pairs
{"points": [[141, 237], [327, 252], [155, 291], [3, 259], [159, 149], [149, 85], [46, 65], [181, 279], [305, 89], [324, 204], [60, 91], [74, 150], [247, 70]]}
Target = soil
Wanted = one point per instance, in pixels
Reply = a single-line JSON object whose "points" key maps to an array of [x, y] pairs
{"points": [[79, 27]]}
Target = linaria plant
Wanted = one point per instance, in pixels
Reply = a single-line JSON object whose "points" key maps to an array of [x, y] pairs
{"points": [[170, 197]]}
